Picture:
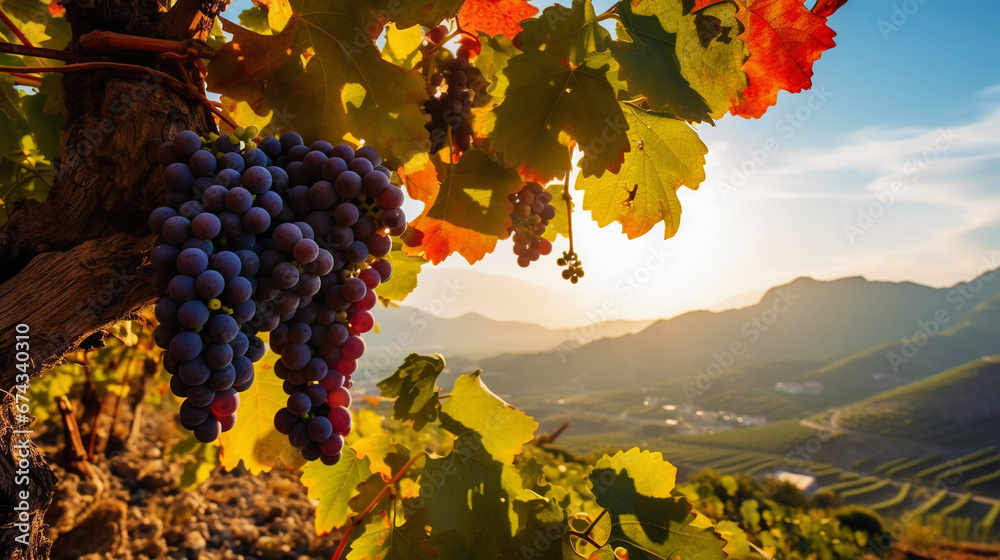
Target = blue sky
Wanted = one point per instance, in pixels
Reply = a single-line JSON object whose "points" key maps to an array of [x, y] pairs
{"points": [[903, 147]]}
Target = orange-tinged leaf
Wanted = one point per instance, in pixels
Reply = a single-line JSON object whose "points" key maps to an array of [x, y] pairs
{"points": [[784, 39], [826, 8], [245, 63], [374, 401], [465, 206], [495, 17]]}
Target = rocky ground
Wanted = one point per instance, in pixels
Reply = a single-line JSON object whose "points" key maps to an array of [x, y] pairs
{"points": [[132, 507]]}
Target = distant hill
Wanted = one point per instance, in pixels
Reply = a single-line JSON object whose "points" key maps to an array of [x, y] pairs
{"points": [[960, 406], [470, 338], [805, 319], [889, 365]]}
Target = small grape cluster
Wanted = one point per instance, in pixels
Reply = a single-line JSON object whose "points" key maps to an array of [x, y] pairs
{"points": [[454, 89], [270, 236], [530, 211], [574, 268]]}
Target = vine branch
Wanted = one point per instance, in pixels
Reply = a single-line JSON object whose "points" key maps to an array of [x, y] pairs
{"points": [[585, 534], [40, 52], [374, 503], [102, 41], [173, 82], [13, 29], [569, 212]]}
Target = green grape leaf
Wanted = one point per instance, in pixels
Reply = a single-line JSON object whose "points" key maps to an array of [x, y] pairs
{"points": [[255, 19], [700, 51], [414, 386], [46, 113], [198, 459], [465, 206], [502, 428], [382, 539], [652, 476], [405, 270], [565, 33], [254, 439], [381, 452], [496, 53], [665, 154], [470, 496], [737, 544], [402, 46], [549, 105], [325, 78], [650, 65], [650, 527], [25, 171], [334, 486], [39, 25], [542, 526]]}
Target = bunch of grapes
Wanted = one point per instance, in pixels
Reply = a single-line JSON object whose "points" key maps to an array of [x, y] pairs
{"points": [[530, 213], [454, 89], [205, 266], [311, 233]]}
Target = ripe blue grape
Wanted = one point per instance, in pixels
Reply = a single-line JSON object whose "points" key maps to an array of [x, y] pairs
{"points": [[221, 329], [346, 214], [193, 314], [194, 372], [257, 179], [203, 163], [178, 177], [319, 429], [238, 200], [361, 166], [209, 284], [218, 355], [234, 161], [186, 143], [348, 184], [322, 195], [299, 404], [223, 378], [182, 288], [256, 221], [176, 230], [185, 346], [226, 263], [158, 217], [356, 252], [370, 154]]}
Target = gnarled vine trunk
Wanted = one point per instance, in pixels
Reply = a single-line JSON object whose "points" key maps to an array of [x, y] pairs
{"points": [[76, 263]]}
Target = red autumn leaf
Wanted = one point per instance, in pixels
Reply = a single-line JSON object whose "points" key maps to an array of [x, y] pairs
{"points": [[784, 39], [56, 9], [826, 8], [465, 207], [495, 17]]}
